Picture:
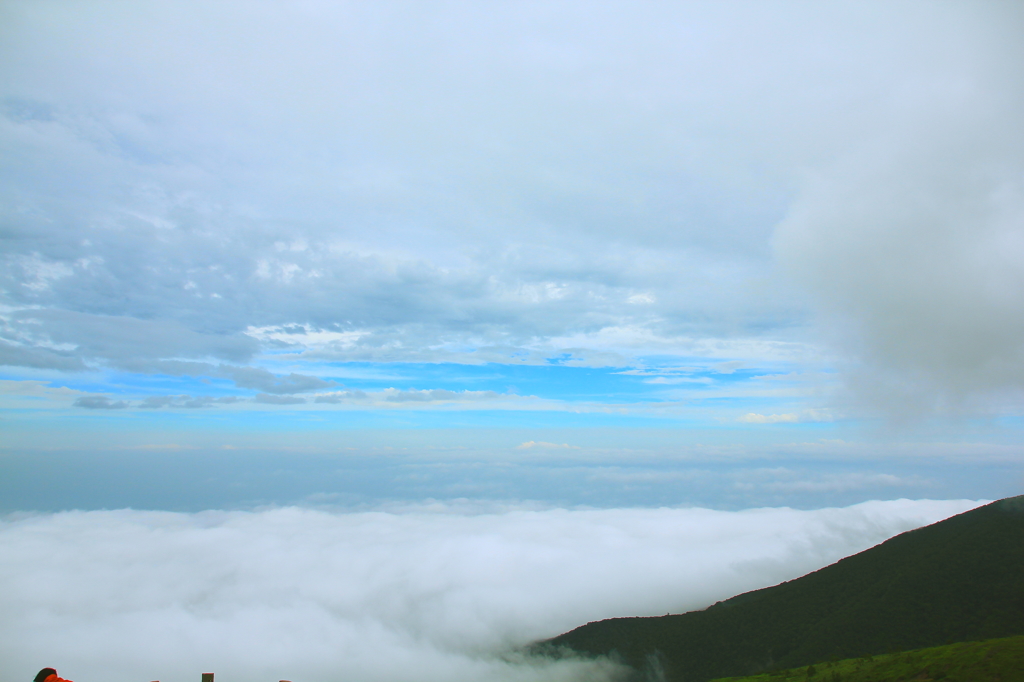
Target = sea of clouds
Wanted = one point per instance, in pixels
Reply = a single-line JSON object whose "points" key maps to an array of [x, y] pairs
{"points": [[421, 593]]}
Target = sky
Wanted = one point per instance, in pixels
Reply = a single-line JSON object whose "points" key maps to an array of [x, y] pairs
{"points": [[349, 258]]}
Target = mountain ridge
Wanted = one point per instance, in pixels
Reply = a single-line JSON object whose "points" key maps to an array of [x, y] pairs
{"points": [[960, 579]]}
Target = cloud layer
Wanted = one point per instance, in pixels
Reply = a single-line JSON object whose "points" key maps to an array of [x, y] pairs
{"points": [[440, 592], [912, 240], [398, 182], [259, 194]]}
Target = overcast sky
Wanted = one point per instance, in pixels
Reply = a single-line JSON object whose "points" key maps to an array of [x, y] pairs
{"points": [[759, 227], [553, 255]]}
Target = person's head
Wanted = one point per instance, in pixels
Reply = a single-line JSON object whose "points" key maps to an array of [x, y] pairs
{"points": [[44, 673]]}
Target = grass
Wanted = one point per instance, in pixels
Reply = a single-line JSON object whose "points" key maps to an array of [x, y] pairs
{"points": [[993, 660]]}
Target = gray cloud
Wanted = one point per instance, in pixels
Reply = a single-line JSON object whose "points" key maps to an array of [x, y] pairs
{"points": [[44, 358], [186, 401], [342, 397], [243, 377], [99, 402], [428, 593], [261, 379], [158, 401], [912, 242], [124, 340], [268, 399]]}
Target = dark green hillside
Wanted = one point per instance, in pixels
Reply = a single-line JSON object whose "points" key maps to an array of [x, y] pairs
{"points": [[993, 660], [958, 580]]}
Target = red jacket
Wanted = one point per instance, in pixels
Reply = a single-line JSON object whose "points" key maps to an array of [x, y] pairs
{"points": [[54, 678]]}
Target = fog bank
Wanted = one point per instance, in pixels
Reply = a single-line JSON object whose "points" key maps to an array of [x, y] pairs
{"points": [[432, 592]]}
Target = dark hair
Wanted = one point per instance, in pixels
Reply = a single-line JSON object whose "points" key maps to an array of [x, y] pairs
{"points": [[44, 673]]}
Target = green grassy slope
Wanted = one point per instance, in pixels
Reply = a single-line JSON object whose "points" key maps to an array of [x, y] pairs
{"points": [[958, 580], [993, 660]]}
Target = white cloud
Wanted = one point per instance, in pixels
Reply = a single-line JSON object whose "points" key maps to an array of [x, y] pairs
{"points": [[35, 389], [438, 395], [530, 444], [425, 398], [729, 367], [659, 371], [809, 415], [430, 593], [837, 483], [39, 274], [754, 418], [306, 336], [679, 380]]}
